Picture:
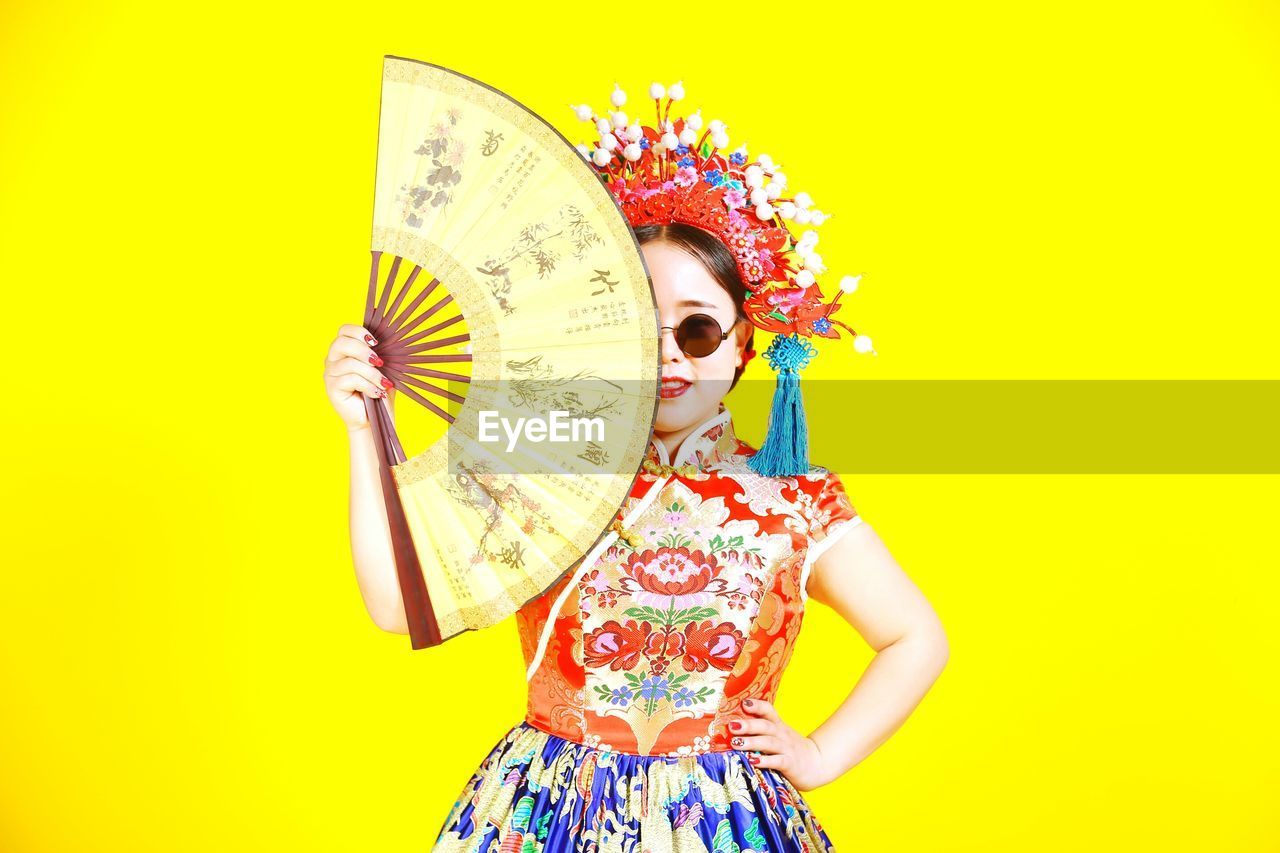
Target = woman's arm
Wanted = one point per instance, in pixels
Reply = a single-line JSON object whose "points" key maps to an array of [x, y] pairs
{"points": [[860, 580], [349, 375], [371, 549]]}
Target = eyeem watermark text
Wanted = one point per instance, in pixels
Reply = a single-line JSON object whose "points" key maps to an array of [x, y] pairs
{"points": [[558, 426]]}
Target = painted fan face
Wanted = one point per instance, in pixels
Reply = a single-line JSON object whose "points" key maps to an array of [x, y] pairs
{"points": [[515, 293], [692, 387]]}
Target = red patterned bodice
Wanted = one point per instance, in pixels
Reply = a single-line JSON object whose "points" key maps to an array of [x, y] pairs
{"points": [[654, 647]]}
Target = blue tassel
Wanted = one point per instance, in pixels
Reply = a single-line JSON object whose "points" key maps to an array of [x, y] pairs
{"points": [[785, 452]]}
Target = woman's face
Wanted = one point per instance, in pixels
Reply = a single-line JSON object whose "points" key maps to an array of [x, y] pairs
{"points": [[691, 387]]}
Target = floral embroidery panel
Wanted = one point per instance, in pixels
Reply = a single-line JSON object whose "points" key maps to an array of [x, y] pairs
{"points": [[656, 645]]}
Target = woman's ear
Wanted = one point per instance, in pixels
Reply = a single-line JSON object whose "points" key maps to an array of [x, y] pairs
{"points": [[745, 341]]}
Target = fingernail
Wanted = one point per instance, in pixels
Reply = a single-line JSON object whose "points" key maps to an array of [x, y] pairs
{"points": [[735, 726], [737, 742], [753, 759], [746, 703], [375, 360], [368, 339], [380, 393], [387, 383]]}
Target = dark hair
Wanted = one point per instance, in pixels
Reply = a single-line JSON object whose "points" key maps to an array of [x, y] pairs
{"points": [[715, 257]]}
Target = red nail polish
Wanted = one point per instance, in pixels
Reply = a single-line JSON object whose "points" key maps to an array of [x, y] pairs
{"points": [[746, 703], [368, 339], [737, 742], [753, 759], [387, 383], [375, 360], [735, 726]]}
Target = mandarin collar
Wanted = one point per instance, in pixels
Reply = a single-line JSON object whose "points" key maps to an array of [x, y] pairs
{"points": [[710, 442]]}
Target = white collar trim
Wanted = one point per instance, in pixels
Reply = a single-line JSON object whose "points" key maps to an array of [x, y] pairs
{"points": [[691, 440]]}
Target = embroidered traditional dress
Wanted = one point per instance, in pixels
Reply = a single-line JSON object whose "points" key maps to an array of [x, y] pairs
{"points": [[638, 659]]}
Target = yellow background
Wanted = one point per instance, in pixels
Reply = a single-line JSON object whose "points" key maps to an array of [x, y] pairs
{"points": [[1071, 191]]}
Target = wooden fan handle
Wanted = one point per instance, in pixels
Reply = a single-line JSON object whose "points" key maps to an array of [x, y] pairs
{"points": [[420, 617]]}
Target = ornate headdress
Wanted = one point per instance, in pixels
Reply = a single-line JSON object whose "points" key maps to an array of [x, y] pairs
{"points": [[670, 173]]}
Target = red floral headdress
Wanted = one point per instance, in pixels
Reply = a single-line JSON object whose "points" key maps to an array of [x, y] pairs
{"points": [[668, 173]]}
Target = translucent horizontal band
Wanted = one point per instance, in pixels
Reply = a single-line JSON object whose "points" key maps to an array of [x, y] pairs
{"points": [[966, 426]]}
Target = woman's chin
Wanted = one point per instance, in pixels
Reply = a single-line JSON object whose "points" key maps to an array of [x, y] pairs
{"points": [[675, 413]]}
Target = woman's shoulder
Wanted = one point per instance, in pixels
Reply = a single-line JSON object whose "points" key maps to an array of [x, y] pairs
{"points": [[816, 483], [814, 478], [817, 478]]}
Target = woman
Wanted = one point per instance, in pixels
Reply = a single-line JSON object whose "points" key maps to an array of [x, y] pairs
{"points": [[548, 781], [653, 672]]}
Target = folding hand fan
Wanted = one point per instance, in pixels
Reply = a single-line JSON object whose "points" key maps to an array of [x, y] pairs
{"points": [[528, 287]]}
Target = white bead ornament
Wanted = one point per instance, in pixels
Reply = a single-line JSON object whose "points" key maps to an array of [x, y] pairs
{"points": [[601, 157], [849, 283], [603, 126], [759, 197], [619, 120], [619, 97], [582, 111], [656, 91], [862, 343], [764, 212], [688, 136], [670, 140], [720, 140], [716, 126], [635, 133], [608, 142], [676, 92], [805, 278], [694, 121], [632, 152], [773, 191]]}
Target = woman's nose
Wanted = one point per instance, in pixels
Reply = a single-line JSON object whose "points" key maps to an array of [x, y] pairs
{"points": [[670, 349]]}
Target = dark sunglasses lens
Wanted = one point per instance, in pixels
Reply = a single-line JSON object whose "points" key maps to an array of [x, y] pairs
{"points": [[699, 335]]}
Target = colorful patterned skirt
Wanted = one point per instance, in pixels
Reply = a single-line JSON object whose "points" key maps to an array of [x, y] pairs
{"points": [[539, 793]]}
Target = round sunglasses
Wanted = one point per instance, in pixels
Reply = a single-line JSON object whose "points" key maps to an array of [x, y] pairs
{"points": [[698, 335]]}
